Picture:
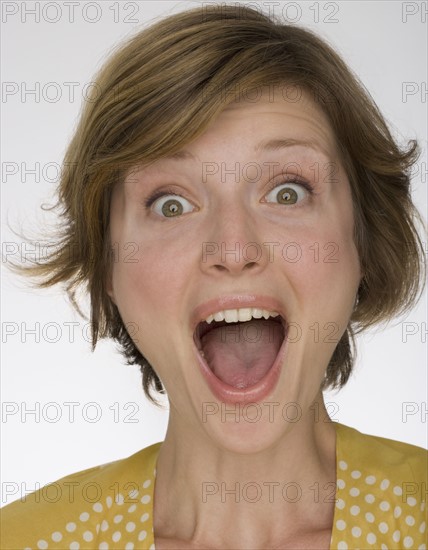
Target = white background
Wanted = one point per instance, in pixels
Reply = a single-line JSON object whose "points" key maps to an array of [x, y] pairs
{"points": [[383, 46]]}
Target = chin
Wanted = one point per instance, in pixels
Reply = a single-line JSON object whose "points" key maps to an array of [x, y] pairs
{"points": [[244, 437]]}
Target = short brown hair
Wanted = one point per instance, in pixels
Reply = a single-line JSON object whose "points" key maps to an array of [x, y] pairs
{"points": [[160, 91]]}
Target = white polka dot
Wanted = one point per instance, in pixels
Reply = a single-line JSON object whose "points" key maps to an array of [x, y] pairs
{"points": [[340, 483], [70, 527], [384, 506], [384, 484], [103, 546], [369, 498], [109, 501], [104, 525], [74, 545], [88, 536], [340, 524], [355, 510], [42, 544], [84, 516], [422, 547], [130, 526], [145, 499], [146, 483], [397, 490], [57, 536], [410, 520], [133, 494], [422, 527], [152, 547], [407, 541], [343, 465], [144, 517], [340, 503], [342, 545], [356, 474], [396, 535], [119, 499], [371, 538], [356, 531], [422, 506], [97, 507], [383, 527], [411, 501], [132, 508], [397, 512], [383, 547], [354, 492], [118, 518], [370, 480], [116, 536], [129, 546], [142, 535], [370, 517]]}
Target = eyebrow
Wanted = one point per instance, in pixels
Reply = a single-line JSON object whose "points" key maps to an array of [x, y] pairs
{"points": [[282, 143], [267, 145]]}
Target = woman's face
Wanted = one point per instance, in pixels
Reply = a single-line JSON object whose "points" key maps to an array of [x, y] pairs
{"points": [[229, 192]]}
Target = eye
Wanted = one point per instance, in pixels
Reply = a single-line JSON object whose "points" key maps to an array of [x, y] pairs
{"points": [[289, 193], [169, 205]]}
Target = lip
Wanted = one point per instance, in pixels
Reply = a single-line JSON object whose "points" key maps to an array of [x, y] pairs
{"points": [[266, 385], [235, 301]]}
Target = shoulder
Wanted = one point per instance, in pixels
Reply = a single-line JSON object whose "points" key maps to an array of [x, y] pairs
{"points": [[381, 488], [76, 508], [383, 454]]}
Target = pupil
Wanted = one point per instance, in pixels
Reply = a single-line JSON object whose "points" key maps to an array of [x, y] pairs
{"points": [[287, 196]]}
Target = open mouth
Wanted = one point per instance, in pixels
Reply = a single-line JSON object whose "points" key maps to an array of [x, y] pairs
{"points": [[241, 353]]}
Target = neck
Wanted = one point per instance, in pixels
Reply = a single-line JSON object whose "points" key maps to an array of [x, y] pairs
{"points": [[218, 496]]}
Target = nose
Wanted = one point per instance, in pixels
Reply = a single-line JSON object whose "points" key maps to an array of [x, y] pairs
{"points": [[233, 243]]}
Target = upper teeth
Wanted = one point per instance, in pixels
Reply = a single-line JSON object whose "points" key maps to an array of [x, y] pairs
{"points": [[241, 314]]}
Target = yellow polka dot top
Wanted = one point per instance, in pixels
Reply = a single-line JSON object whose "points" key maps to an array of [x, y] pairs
{"points": [[381, 493]]}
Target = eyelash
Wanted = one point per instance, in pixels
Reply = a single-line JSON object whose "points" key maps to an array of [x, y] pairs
{"points": [[293, 179], [170, 191], [158, 194]]}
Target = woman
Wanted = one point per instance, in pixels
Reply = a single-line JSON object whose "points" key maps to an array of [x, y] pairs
{"points": [[233, 188]]}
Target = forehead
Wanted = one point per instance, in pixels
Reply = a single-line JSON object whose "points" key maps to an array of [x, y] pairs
{"points": [[259, 127], [274, 113], [265, 124]]}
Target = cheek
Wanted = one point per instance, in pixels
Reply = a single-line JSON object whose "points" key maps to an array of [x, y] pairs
{"points": [[143, 265], [322, 265], [146, 297], [144, 277]]}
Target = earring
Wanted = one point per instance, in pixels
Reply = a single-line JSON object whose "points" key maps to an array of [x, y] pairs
{"points": [[357, 300]]}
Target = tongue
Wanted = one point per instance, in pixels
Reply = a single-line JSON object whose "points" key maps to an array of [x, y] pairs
{"points": [[240, 354]]}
